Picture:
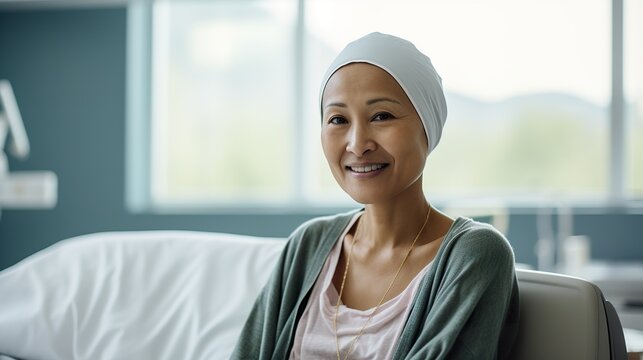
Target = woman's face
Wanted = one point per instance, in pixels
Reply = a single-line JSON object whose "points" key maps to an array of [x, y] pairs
{"points": [[372, 136]]}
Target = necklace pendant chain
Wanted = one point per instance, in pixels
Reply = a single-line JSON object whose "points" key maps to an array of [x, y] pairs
{"points": [[341, 289]]}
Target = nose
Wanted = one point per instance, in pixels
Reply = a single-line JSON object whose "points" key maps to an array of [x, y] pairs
{"points": [[360, 140]]}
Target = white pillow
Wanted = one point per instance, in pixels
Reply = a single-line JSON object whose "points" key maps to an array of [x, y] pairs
{"points": [[134, 295]]}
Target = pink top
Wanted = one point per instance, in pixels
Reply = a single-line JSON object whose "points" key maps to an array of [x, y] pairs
{"points": [[315, 337]]}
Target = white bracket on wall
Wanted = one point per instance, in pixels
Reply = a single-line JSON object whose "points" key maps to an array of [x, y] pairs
{"points": [[26, 189], [29, 190]]}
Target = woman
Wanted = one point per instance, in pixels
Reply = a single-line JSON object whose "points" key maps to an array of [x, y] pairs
{"points": [[397, 279]]}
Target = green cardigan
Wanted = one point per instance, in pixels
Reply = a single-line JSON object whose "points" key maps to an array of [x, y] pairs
{"points": [[465, 308]]}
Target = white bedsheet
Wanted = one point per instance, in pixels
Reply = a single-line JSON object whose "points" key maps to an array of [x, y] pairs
{"points": [[133, 295]]}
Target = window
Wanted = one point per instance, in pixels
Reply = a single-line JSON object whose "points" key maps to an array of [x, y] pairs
{"points": [[222, 101], [234, 86], [633, 81], [525, 100]]}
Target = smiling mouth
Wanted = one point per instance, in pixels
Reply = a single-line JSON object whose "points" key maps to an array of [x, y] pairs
{"points": [[366, 168]]}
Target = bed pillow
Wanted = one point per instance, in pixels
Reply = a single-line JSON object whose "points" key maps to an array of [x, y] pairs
{"points": [[134, 295]]}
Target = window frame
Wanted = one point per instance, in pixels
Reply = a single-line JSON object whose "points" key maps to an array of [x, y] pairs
{"points": [[139, 143]]}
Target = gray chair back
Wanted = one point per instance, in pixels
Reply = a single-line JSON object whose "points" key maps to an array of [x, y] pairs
{"points": [[563, 317]]}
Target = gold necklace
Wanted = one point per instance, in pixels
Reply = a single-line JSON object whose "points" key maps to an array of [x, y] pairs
{"points": [[341, 289]]}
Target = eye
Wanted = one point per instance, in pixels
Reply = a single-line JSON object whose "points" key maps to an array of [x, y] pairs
{"points": [[382, 116], [337, 120]]}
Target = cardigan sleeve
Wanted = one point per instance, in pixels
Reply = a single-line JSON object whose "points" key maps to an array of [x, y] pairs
{"points": [[471, 310]]}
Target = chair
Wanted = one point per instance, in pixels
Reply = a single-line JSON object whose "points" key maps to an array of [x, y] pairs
{"points": [[563, 317]]}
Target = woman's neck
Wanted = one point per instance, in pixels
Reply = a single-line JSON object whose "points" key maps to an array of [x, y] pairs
{"points": [[396, 222]]}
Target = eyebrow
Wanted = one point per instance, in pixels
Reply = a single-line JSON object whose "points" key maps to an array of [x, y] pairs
{"points": [[369, 102]]}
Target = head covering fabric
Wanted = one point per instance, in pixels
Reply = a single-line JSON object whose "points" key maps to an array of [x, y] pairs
{"points": [[409, 67]]}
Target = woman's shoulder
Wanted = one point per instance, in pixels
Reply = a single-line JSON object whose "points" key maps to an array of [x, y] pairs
{"points": [[477, 239]]}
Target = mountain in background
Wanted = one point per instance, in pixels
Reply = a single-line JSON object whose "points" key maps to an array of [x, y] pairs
{"points": [[494, 115]]}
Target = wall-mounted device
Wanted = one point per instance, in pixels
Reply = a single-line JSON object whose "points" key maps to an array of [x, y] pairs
{"points": [[24, 189]]}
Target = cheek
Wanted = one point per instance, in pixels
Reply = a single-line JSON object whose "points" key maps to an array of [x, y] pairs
{"points": [[417, 139], [330, 146], [411, 149]]}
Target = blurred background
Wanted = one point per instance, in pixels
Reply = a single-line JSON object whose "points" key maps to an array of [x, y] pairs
{"points": [[203, 115]]}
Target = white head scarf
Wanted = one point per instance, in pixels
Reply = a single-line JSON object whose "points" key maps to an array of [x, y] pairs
{"points": [[409, 67]]}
